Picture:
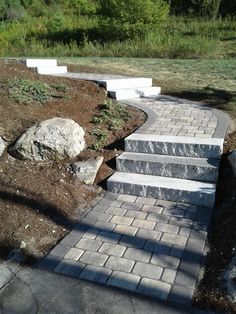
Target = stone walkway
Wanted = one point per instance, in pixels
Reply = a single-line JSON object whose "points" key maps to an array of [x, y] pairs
{"points": [[150, 246]]}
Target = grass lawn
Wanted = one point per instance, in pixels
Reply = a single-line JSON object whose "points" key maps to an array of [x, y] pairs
{"points": [[213, 81]]}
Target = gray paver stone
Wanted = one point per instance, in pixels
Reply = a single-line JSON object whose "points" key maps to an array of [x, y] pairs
{"points": [[165, 261], [124, 280], [147, 270], [180, 294], [108, 236], [74, 254], [130, 241], [169, 275], [112, 249], [174, 239], [96, 274], [126, 198], [154, 288], [60, 250], [149, 234], [167, 228], [88, 244], [116, 211], [121, 220], [145, 200], [91, 234], [132, 206], [119, 264], [68, 267], [158, 218], [138, 255], [94, 258], [152, 209], [135, 214], [157, 247], [143, 224], [126, 230]]}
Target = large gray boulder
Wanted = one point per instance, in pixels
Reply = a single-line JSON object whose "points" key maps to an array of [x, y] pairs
{"points": [[52, 139], [2, 146], [232, 161]]}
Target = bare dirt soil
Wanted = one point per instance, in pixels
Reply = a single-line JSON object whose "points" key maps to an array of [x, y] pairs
{"points": [[39, 201]]}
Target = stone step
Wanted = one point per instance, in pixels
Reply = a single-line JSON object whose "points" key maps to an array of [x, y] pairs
{"points": [[171, 189], [121, 83], [120, 94], [175, 145], [34, 63], [198, 169], [51, 69]]}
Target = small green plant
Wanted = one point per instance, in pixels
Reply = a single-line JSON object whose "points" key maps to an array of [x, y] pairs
{"points": [[60, 87], [26, 91], [100, 138], [113, 114]]}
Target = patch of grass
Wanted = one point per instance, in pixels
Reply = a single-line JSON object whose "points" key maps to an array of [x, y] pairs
{"points": [[25, 91], [100, 138], [113, 114]]}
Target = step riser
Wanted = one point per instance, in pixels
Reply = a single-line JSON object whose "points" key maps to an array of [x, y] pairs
{"points": [[115, 84], [135, 93], [190, 172], [52, 70], [193, 198], [173, 149]]}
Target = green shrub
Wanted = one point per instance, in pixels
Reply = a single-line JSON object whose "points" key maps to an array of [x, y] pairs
{"points": [[100, 138], [131, 18], [113, 114]]}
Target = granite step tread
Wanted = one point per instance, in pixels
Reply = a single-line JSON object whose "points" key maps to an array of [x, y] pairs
{"points": [[199, 169], [172, 189], [128, 93], [175, 145], [51, 69]]}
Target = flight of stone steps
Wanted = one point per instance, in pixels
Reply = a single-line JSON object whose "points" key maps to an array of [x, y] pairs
{"points": [[118, 87], [173, 168]]}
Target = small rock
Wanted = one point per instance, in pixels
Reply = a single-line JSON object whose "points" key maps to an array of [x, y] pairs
{"points": [[2, 146], [232, 162], [22, 245], [87, 170]]}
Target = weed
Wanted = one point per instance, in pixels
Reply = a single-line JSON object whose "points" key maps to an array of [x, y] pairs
{"points": [[100, 138]]}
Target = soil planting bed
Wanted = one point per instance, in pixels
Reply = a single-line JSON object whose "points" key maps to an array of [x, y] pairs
{"points": [[39, 201]]}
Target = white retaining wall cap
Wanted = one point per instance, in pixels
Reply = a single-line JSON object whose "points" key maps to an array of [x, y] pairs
{"points": [[51, 69], [32, 63]]}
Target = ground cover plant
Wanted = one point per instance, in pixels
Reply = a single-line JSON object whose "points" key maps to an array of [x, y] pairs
{"points": [[39, 201]]}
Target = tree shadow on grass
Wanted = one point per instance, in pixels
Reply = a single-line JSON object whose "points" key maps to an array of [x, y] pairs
{"points": [[217, 98]]}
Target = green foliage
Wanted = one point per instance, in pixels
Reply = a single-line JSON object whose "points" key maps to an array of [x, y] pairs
{"points": [[100, 138], [113, 115], [11, 10], [131, 18], [26, 91], [207, 8]]}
